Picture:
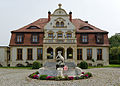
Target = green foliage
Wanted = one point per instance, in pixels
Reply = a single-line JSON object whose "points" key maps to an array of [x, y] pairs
{"points": [[31, 75], [58, 78], [89, 74], [83, 65], [36, 65], [114, 40], [42, 77], [36, 72]]}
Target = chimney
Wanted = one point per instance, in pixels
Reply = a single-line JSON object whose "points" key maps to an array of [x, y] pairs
{"points": [[70, 14], [49, 13]]}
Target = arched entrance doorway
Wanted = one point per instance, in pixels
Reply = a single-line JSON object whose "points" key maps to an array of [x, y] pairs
{"points": [[60, 49]]}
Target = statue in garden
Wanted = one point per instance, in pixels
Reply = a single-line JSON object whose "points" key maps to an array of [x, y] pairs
{"points": [[59, 60]]}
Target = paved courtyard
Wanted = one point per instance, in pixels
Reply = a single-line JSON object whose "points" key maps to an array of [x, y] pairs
{"points": [[101, 77]]}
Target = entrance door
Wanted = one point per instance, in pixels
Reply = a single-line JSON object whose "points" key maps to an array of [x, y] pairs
{"points": [[60, 49]]}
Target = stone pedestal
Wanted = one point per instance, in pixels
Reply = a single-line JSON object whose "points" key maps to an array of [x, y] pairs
{"points": [[60, 72]]}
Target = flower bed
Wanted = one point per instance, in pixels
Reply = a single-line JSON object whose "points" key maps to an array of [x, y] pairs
{"points": [[36, 75]]}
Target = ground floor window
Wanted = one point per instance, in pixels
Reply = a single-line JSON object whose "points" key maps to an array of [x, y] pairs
{"points": [[39, 54], [29, 54], [19, 54], [49, 53], [79, 54], [89, 54], [69, 53], [99, 54]]}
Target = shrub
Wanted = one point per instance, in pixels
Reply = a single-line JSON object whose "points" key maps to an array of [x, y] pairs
{"points": [[89, 74], [29, 65], [31, 75], [36, 65], [58, 78], [20, 65], [42, 77], [83, 65]]}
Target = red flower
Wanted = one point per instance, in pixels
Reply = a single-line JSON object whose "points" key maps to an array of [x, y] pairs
{"points": [[71, 77], [48, 77], [82, 72]]}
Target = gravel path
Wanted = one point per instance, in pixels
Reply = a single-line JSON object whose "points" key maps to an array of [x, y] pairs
{"points": [[101, 77]]}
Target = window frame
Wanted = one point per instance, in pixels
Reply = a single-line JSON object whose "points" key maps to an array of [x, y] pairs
{"points": [[28, 58], [19, 55], [85, 38], [80, 55], [32, 36], [101, 37], [50, 36], [69, 52], [22, 38], [90, 54], [99, 56], [69, 36], [59, 36], [41, 54]]}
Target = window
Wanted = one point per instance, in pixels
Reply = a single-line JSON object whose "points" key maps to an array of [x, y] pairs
{"points": [[59, 35], [19, 54], [57, 24], [89, 54], [34, 38], [49, 53], [79, 54], [99, 54], [19, 38], [29, 54], [99, 38], [39, 53], [84, 38], [50, 35], [69, 53], [69, 35], [62, 24], [33, 27]]}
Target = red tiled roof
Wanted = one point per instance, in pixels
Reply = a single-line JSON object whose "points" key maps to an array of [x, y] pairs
{"points": [[43, 21]]}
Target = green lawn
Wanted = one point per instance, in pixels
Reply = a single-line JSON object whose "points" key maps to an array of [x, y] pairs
{"points": [[109, 66], [17, 67]]}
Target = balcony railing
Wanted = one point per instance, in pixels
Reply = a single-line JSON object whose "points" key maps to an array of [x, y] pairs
{"points": [[60, 41]]}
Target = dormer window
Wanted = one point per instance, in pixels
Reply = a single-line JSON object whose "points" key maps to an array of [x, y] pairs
{"points": [[34, 38], [19, 38], [33, 27]]}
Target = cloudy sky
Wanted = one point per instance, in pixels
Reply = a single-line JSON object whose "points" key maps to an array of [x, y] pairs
{"points": [[104, 14]]}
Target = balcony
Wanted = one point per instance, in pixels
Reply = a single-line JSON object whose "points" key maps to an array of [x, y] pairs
{"points": [[60, 41]]}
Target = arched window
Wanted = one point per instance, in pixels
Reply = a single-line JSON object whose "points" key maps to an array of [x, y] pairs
{"points": [[57, 24], [69, 53], [49, 53], [62, 24]]}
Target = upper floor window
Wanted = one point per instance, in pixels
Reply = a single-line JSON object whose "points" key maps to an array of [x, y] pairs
{"points": [[99, 38], [50, 35], [84, 38], [62, 24], [35, 38], [57, 24], [69, 35], [19, 38], [60, 35]]}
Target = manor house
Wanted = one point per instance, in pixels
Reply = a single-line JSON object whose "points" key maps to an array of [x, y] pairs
{"points": [[41, 40]]}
